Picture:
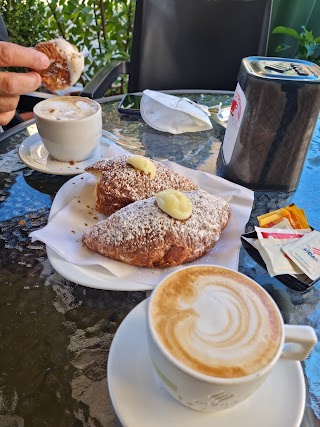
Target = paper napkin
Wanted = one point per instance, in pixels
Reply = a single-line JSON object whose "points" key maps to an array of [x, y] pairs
{"points": [[168, 113], [66, 227]]}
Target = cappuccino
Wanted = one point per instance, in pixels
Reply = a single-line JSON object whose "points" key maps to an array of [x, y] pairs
{"points": [[69, 127], [66, 108], [214, 335], [216, 322]]}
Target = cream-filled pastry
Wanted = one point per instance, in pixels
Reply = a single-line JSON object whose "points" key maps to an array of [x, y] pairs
{"points": [[121, 181], [144, 235], [66, 64]]}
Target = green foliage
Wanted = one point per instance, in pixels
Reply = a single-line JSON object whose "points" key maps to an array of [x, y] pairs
{"points": [[306, 45], [102, 30], [24, 21]]}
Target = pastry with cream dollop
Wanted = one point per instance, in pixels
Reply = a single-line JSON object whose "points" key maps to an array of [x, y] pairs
{"points": [[142, 234], [126, 179], [66, 64]]}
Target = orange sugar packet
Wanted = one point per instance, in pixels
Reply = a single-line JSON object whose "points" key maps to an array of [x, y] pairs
{"points": [[291, 213], [298, 215]]}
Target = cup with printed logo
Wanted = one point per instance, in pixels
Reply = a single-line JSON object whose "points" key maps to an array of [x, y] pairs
{"points": [[69, 126], [214, 336]]}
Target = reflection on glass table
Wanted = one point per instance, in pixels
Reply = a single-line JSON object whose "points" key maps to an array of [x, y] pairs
{"points": [[56, 334]]}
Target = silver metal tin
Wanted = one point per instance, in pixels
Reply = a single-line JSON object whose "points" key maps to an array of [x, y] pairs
{"points": [[282, 69]]}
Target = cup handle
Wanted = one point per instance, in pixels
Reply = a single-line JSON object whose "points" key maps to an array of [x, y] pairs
{"points": [[298, 342]]}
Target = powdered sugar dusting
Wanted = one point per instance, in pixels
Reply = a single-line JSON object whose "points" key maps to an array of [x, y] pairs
{"points": [[121, 184], [142, 234]]}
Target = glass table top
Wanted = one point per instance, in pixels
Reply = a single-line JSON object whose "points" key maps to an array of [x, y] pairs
{"points": [[56, 334]]}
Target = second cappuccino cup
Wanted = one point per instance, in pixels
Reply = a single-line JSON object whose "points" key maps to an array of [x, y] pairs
{"points": [[69, 126], [214, 336]]}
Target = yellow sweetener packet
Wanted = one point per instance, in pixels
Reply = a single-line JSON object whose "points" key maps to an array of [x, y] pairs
{"points": [[270, 219], [298, 215], [295, 216]]}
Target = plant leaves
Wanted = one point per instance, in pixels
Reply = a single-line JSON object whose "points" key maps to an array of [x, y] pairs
{"points": [[282, 47], [307, 35], [286, 30]]}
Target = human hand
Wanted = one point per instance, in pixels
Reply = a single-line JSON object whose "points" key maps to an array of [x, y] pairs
{"points": [[12, 85]]}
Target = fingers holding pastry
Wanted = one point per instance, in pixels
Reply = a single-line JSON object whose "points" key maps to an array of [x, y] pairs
{"points": [[13, 55], [8, 105], [5, 118], [11, 86], [15, 84]]}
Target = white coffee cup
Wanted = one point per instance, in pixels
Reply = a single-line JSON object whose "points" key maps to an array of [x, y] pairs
{"points": [[69, 126], [214, 335]]}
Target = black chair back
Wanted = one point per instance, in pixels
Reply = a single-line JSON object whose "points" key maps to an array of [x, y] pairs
{"points": [[195, 44]]}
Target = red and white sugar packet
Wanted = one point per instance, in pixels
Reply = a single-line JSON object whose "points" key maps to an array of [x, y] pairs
{"points": [[280, 233]]}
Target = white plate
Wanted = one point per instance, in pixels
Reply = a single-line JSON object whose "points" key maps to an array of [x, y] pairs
{"points": [[33, 153], [140, 401], [99, 276], [92, 276]]}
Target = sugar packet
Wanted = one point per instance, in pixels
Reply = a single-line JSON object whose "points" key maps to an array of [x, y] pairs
{"points": [[279, 233], [289, 217], [276, 261], [305, 253]]}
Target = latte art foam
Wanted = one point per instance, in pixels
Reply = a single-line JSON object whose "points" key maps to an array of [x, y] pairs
{"points": [[216, 322], [66, 108]]}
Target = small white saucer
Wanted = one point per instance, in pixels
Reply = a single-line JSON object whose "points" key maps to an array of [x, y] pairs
{"points": [[224, 114], [140, 401], [33, 153]]}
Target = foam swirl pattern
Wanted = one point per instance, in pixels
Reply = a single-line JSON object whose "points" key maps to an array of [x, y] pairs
{"points": [[216, 323], [67, 108]]}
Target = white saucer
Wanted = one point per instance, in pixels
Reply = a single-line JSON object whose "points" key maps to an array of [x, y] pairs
{"points": [[224, 114], [33, 154], [140, 401]]}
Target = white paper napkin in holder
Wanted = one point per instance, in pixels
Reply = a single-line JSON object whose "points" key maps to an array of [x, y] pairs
{"points": [[169, 113]]}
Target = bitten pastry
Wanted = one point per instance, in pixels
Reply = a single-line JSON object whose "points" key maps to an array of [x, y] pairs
{"points": [[123, 180], [142, 234], [66, 64]]}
